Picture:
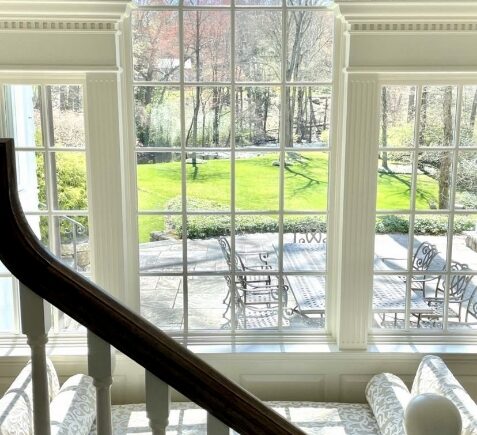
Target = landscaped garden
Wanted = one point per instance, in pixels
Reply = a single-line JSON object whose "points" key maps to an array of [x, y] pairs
{"points": [[306, 187]]}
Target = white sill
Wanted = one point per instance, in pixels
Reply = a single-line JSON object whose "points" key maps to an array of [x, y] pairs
{"points": [[75, 345]]}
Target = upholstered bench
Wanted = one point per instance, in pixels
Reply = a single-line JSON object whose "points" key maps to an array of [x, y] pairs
{"points": [[72, 407]]}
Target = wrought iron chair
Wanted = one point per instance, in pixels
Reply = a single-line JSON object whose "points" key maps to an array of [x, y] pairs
{"points": [[240, 265], [458, 295], [422, 259], [259, 303], [310, 235]]}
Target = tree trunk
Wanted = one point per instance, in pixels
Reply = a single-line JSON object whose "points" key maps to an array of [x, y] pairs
{"points": [[473, 112], [384, 127], [445, 160]]}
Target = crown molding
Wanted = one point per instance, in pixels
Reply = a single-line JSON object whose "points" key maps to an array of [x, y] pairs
{"points": [[78, 15], [409, 15]]}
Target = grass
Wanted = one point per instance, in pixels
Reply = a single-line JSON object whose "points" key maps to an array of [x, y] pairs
{"points": [[257, 186]]}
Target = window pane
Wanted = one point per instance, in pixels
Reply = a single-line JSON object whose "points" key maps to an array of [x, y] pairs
{"points": [[25, 104], [256, 180], [68, 117], [156, 2], [203, 249], [257, 242], [208, 181], [306, 181], [157, 116], [389, 302], [73, 237], [159, 180], [310, 46], [207, 46], [258, 2], [258, 42], [304, 244], [398, 114], [257, 116], [160, 246], [434, 180], [207, 116], [466, 189], [437, 121], [7, 320], [468, 131], [208, 302], [156, 45], [70, 170], [464, 242], [309, 114], [162, 301], [395, 182], [433, 229], [31, 180], [391, 243]]}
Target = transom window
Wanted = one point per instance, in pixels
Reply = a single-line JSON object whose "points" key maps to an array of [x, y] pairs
{"points": [[233, 117], [427, 209]]}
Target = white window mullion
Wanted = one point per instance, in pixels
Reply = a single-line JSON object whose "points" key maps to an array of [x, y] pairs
{"points": [[233, 289], [452, 193], [412, 214], [185, 292], [283, 143]]}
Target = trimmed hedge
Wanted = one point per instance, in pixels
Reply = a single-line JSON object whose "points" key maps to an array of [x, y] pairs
{"points": [[431, 225], [202, 227]]}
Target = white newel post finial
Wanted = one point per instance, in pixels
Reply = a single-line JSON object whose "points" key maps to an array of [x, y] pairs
{"points": [[36, 322], [432, 414]]}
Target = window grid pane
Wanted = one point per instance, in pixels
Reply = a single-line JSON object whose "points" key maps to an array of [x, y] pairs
{"points": [[426, 260], [47, 123], [241, 158]]}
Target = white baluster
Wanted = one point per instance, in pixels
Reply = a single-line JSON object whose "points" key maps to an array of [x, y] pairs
{"points": [[36, 322], [158, 401], [215, 426], [100, 368]]}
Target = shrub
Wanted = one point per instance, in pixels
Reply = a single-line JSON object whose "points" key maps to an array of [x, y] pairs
{"points": [[202, 227], [430, 225]]}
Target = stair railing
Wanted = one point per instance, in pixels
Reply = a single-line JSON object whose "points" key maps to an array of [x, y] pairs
{"points": [[43, 279]]}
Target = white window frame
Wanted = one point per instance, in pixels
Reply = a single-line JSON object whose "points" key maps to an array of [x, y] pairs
{"points": [[282, 84]]}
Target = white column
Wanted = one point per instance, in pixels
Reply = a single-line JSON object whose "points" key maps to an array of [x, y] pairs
{"points": [[158, 401], [36, 322], [105, 182], [215, 426], [100, 369], [357, 211]]}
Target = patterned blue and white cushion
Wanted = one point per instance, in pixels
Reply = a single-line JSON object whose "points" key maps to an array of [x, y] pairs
{"points": [[16, 406], [388, 397], [433, 376], [73, 410]]}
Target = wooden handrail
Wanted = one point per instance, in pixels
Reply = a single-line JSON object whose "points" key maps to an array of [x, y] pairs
{"points": [[79, 298]]}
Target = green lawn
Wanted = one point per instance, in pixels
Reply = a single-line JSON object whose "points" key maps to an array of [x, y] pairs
{"points": [[257, 186]]}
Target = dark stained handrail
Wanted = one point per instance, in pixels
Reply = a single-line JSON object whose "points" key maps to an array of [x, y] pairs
{"points": [[79, 298]]}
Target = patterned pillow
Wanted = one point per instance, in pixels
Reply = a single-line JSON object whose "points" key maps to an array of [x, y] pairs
{"points": [[73, 410], [433, 376], [388, 397], [16, 406]]}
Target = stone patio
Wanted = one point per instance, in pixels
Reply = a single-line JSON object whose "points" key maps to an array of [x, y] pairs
{"points": [[162, 296]]}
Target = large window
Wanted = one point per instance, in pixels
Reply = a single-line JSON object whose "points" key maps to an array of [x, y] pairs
{"points": [[232, 114], [426, 256], [47, 124]]}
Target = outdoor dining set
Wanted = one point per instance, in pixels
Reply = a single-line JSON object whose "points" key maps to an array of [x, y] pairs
{"points": [[420, 288]]}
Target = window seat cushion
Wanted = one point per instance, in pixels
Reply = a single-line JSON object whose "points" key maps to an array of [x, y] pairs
{"points": [[318, 418]]}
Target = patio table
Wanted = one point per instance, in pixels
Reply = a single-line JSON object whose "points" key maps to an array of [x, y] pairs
{"points": [[389, 294]]}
